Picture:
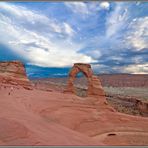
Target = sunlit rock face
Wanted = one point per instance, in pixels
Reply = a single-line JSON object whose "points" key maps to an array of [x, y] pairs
{"points": [[13, 72], [94, 84]]}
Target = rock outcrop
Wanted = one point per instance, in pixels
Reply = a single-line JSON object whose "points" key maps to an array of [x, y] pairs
{"points": [[142, 106], [13, 72], [94, 84], [53, 118], [128, 104]]}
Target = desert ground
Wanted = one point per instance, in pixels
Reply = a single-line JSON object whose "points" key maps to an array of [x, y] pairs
{"points": [[40, 112], [123, 91]]}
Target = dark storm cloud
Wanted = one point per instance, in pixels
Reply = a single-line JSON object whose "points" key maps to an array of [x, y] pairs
{"points": [[115, 62], [123, 58]]}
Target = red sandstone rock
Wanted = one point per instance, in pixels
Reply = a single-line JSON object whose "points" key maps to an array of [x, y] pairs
{"points": [[54, 118], [95, 88], [22, 124], [14, 73], [94, 84], [40, 117]]}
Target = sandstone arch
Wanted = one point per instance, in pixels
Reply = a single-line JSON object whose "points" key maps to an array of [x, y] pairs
{"points": [[94, 84]]}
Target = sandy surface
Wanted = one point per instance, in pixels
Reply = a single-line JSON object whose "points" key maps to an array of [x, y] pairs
{"points": [[37, 117], [22, 124]]}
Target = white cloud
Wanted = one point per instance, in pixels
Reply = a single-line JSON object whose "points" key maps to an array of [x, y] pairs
{"points": [[32, 19], [87, 9], [125, 32], [68, 29], [39, 47], [105, 5], [116, 20], [45, 41], [137, 37], [78, 7], [137, 69], [94, 53]]}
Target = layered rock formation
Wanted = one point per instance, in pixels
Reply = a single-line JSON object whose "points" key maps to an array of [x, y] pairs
{"points": [[94, 84], [40, 117], [13, 72], [124, 80]]}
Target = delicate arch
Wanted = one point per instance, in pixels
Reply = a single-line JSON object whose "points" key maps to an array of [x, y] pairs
{"points": [[94, 85]]}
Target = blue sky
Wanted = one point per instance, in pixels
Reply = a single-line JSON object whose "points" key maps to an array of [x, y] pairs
{"points": [[112, 36]]}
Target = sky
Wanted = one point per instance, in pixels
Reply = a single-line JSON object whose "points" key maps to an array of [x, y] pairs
{"points": [[111, 36]]}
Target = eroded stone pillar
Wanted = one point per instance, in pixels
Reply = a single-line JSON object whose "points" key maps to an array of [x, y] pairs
{"points": [[95, 87]]}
